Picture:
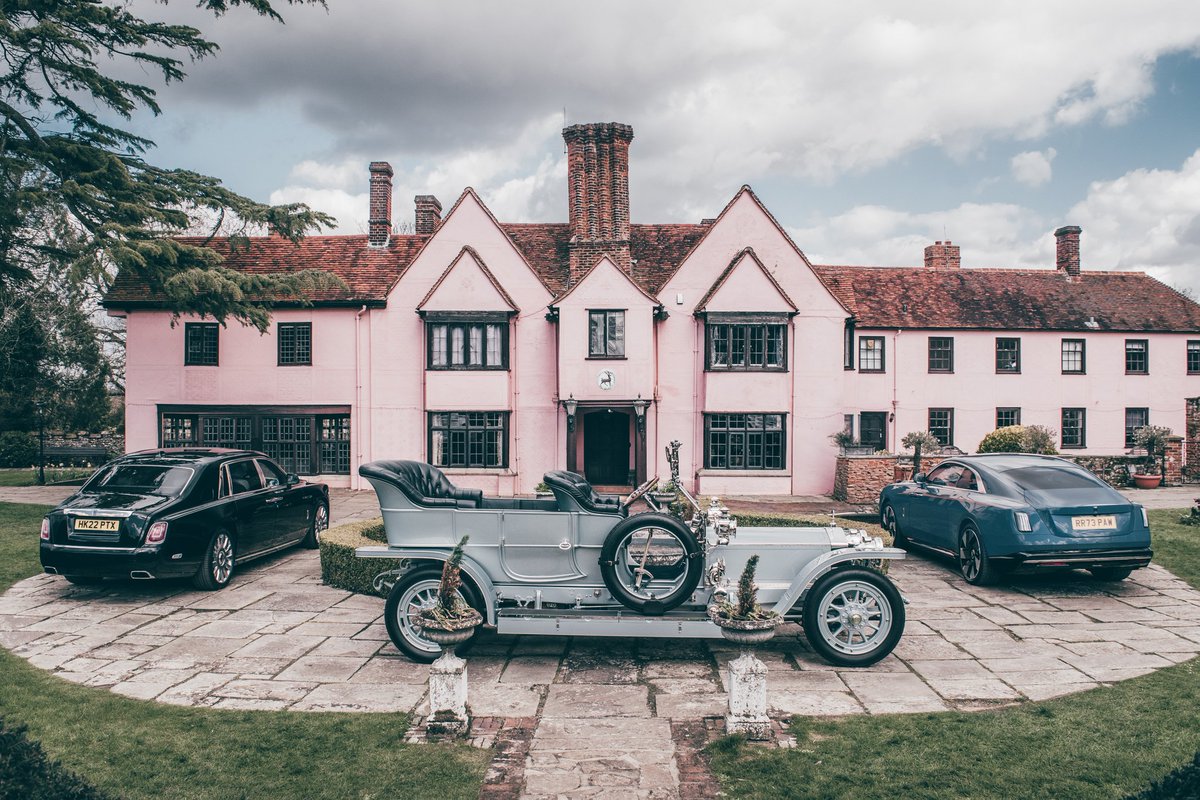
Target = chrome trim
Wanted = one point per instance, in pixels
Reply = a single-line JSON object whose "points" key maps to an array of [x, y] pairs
{"points": [[79, 548], [98, 512], [261, 553]]}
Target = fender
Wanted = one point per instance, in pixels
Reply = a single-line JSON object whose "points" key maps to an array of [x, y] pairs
{"points": [[469, 566], [826, 563]]}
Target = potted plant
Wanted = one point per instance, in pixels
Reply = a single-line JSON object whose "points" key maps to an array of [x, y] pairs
{"points": [[542, 490], [744, 621], [664, 493], [1153, 438], [919, 442], [849, 446], [450, 621]]}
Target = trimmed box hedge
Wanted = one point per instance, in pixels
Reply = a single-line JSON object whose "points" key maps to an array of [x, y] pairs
{"points": [[340, 568]]}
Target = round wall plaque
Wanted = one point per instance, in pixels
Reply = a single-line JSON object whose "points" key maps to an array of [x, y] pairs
{"points": [[607, 379]]}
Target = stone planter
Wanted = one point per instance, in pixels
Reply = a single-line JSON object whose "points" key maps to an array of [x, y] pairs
{"points": [[1147, 481], [746, 632], [747, 713], [448, 633], [857, 450]]}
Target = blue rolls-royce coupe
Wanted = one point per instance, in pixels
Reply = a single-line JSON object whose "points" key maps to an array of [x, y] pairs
{"points": [[1009, 512]]}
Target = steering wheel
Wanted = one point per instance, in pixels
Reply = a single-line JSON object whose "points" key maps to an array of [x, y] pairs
{"points": [[639, 492]]}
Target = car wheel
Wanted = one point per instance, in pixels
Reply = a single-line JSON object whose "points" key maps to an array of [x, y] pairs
{"points": [[84, 580], [973, 558], [1110, 573], [320, 522], [651, 563], [216, 569], [415, 591], [892, 526], [853, 617]]}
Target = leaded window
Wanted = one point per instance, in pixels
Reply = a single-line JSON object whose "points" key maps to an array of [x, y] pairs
{"points": [[288, 440], [303, 441], [1074, 427], [746, 347], [941, 354], [744, 441], [1137, 357], [295, 344], [1193, 357], [870, 354], [178, 431], [1008, 355], [1007, 416], [1135, 418], [468, 439], [200, 347], [467, 345], [1074, 357], [335, 444], [941, 425], [223, 431], [606, 334]]}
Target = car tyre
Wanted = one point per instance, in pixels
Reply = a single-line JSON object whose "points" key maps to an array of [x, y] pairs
{"points": [[216, 568], [892, 525], [413, 591], [625, 586], [1110, 573], [853, 617], [973, 560], [84, 580], [319, 525]]}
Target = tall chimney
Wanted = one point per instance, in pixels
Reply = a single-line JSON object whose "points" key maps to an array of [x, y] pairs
{"points": [[598, 194], [379, 224], [429, 213], [942, 255], [1068, 249]]}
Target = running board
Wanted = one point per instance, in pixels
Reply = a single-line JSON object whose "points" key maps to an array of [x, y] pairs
{"points": [[616, 623]]}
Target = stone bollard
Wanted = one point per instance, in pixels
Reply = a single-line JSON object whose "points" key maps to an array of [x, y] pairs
{"points": [[447, 697], [748, 698]]}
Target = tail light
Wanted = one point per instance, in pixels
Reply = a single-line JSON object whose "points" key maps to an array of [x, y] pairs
{"points": [[157, 533], [1145, 516], [45, 529], [1023, 522]]}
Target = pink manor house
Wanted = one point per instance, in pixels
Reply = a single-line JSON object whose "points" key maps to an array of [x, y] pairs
{"points": [[499, 351]]}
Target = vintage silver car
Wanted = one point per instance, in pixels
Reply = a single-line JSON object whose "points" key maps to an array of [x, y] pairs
{"points": [[581, 565]]}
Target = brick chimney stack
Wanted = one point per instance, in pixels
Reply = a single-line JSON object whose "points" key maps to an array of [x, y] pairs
{"points": [[429, 213], [942, 255], [379, 224], [598, 194], [1068, 249]]}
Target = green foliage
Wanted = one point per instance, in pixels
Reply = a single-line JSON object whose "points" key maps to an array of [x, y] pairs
{"points": [[920, 440], [1182, 783], [1153, 438], [75, 189], [17, 449], [843, 438], [1019, 439], [448, 602], [1040, 439], [747, 592], [25, 771], [340, 567]]}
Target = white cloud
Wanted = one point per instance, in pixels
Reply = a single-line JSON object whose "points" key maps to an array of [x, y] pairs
{"points": [[1032, 167]]}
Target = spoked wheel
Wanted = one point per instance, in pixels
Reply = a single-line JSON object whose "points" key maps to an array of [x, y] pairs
{"points": [[853, 617], [217, 567], [892, 526], [320, 522], [415, 591], [651, 563], [973, 558]]}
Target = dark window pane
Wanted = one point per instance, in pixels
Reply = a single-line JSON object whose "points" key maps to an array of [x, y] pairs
{"points": [[1073, 427], [870, 354], [288, 440], [1135, 418], [941, 425], [1193, 357], [744, 441], [468, 439], [1007, 416], [1073, 356], [1008, 355], [1137, 356], [295, 343], [941, 354], [606, 334], [178, 431], [200, 343]]}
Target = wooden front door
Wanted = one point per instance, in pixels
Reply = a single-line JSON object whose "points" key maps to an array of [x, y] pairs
{"points": [[606, 448], [872, 429]]}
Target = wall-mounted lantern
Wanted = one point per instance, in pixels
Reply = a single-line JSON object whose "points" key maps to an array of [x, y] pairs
{"points": [[639, 409], [571, 405]]}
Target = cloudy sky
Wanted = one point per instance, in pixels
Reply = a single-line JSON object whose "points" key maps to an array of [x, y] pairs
{"points": [[869, 128]]}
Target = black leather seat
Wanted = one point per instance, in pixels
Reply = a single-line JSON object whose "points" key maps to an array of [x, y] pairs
{"points": [[423, 484], [571, 488]]}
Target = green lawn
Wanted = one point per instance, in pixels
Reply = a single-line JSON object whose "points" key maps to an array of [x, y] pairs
{"points": [[28, 477], [140, 749], [1105, 743]]}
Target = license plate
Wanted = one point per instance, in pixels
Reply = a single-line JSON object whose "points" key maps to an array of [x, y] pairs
{"points": [[82, 524], [1099, 523]]}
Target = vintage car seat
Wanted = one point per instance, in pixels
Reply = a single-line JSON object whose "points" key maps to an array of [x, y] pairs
{"points": [[573, 493], [423, 484]]}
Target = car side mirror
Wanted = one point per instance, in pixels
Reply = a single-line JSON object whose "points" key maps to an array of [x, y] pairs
{"points": [[920, 477], [292, 479]]}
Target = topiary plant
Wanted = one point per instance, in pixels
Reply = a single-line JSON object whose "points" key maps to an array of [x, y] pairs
{"points": [[1009, 439], [746, 607], [918, 442], [1154, 439]]}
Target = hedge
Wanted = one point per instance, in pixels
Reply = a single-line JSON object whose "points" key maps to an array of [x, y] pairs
{"points": [[1182, 783], [26, 772], [341, 569]]}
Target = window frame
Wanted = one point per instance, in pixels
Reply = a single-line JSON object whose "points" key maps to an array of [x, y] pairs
{"points": [[464, 323], [505, 427], [279, 339], [202, 328], [1062, 436], [241, 427], [1193, 346], [710, 344], [605, 356], [949, 424], [1131, 431], [1008, 409], [945, 350], [1082, 356], [1016, 368], [882, 340], [745, 430], [1145, 356]]}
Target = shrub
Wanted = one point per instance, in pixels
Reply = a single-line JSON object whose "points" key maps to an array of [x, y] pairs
{"points": [[25, 772], [1040, 439], [17, 449], [1178, 784], [1019, 439], [340, 567]]}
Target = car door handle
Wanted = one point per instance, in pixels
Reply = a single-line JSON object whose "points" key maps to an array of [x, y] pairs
{"points": [[274, 500]]}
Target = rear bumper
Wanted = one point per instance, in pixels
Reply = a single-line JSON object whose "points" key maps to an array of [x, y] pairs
{"points": [[112, 562], [1132, 558]]}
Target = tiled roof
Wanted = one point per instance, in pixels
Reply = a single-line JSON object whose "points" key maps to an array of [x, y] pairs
{"points": [[368, 272], [1009, 299]]}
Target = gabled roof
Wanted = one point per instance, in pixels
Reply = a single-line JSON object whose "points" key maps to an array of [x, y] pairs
{"points": [[468, 250], [1009, 299], [368, 272], [605, 259], [747, 252]]}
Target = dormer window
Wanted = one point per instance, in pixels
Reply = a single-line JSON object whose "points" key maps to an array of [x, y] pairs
{"points": [[746, 342], [467, 341]]}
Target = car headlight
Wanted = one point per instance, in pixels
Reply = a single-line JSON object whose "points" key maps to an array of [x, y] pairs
{"points": [[1024, 525]]}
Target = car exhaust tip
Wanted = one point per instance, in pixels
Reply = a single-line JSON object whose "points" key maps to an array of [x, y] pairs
{"points": [[140, 575], [51, 570]]}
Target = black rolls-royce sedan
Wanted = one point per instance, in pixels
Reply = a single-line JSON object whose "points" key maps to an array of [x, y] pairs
{"points": [[180, 513]]}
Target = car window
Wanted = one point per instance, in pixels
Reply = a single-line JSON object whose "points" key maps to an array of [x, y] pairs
{"points": [[243, 476], [274, 475], [968, 480], [142, 479], [1051, 477], [945, 475]]}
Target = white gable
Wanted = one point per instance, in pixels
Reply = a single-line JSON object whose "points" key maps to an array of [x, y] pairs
{"points": [[747, 288], [466, 285]]}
